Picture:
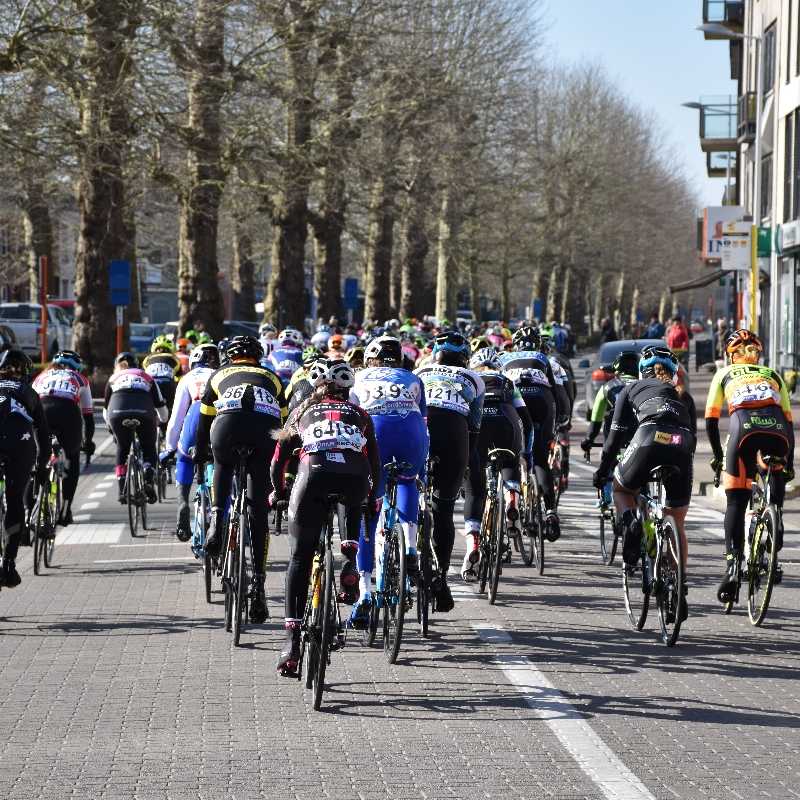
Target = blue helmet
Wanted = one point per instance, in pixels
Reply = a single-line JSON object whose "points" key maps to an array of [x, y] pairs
{"points": [[69, 359], [451, 348], [653, 355]]}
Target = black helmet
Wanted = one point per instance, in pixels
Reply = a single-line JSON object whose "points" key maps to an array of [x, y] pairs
{"points": [[526, 338], [384, 348], [128, 357], [626, 363], [14, 360], [244, 347]]}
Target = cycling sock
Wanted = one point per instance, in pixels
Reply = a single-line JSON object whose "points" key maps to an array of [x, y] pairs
{"points": [[365, 584], [471, 526], [410, 530], [472, 542], [738, 501]]}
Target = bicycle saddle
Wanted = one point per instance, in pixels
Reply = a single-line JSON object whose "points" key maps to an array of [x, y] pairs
{"points": [[131, 423]]}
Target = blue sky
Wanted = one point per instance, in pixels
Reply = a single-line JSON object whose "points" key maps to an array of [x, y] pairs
{"points": [[652, 51]]}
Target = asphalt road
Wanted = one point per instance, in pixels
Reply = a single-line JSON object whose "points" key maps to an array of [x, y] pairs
{"points": [[121, 682]]}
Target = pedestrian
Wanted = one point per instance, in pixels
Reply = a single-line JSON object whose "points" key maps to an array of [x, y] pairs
{"points": [[677, 337], [607, 332], [655, 330]]}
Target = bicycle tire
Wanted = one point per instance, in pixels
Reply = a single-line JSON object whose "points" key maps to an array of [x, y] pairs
{"points": [[240, 595], [637, 601], [670, 581], [755, 578], [142, 501], [424, 595], [487, 524], [498, 550], [370, 632], [313, 632], [603, 549], [615, 527], [38, 532], [49, 546], [538, 542], [228, 568], [394, 601], [326, 632], [131, 499], [555, 470]]}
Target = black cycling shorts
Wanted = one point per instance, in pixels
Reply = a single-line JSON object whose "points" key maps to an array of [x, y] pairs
{"points": [[654, 445], [753, 431]]}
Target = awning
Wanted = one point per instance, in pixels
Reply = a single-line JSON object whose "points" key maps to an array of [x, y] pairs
{"points": [[699, 283]]}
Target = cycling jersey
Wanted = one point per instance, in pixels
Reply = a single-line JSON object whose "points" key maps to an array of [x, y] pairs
{"points": [[190, 390], [528, 368], [67, 385], [747, 386], [299, 388], [238, 388], [454, 389], [604, 402], [389, 391], [285, 362], [162, 367]]}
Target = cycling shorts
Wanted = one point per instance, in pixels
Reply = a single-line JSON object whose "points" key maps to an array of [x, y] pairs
{"points": [[656, 445], [753, 431]]}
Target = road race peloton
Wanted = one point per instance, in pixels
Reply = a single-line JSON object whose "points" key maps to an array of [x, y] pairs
{"points": [[357, 399]]}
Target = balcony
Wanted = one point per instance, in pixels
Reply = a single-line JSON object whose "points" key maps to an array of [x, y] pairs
{"points": [[718, 124], [729, 13], [717, 165], [747, 115]]}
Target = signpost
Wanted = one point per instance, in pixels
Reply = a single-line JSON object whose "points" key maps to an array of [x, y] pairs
{"points": [[734, 246], [119, 286]]}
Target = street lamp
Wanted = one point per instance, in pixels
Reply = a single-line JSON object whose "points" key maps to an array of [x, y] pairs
{"points": [[718, 29]]}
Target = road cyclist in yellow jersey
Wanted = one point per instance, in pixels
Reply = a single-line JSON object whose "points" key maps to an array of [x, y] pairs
{"points": [[760, 424]]}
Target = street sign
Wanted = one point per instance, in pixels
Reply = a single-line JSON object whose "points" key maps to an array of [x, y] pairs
{"points": [[734, 246], [351, 293], [119, 283]]}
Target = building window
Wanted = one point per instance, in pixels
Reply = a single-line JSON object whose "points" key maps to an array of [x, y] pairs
{"points": [[766, 186], [789, 41], [788, 146], [769, 59]]}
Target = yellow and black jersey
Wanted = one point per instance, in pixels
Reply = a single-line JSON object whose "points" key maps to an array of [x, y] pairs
{"points": [[163, 367], [244, 387], [744, 386]]}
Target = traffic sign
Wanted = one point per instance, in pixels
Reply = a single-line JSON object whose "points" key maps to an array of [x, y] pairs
{"points": [[351, 293], [119, 283]]}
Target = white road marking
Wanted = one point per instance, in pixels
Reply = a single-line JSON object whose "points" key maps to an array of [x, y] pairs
{"points": [[140, 560], [90, 534], [89, 506], [96, 496], [103, 446], [590, 752], [715, 532], [81, 517], [150, 544]]}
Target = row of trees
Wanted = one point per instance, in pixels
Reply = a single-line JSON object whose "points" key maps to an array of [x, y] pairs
{"points": [[422, 145]]}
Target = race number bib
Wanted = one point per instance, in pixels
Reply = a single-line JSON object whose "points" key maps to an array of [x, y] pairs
{"points": [[160, 371], [233, 399], [447, 395], [748, 393], [333, 435], [527, 375], [386, 397], [58, 384], [130, 381]]}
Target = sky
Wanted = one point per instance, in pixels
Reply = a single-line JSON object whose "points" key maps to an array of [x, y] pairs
{"points": [[652, 51]]}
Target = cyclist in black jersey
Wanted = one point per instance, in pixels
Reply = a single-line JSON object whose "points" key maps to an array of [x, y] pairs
{"points": [[246, 404], [24, 440], [338, 455]]}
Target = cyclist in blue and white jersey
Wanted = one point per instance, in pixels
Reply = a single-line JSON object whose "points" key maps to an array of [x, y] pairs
{"points": [[395, 399], [182, 427], [267, 338], [454, 395], [532, 374], [287, 357]]}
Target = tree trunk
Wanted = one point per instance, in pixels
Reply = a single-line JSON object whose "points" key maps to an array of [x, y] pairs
{"points": [[505, 292], [134, 310], [243, 275], [599, 299], [446, 265], [565, 296], [105, 131], [416, 247], [634, 320], [619, 299], [396, 278], [536, 289], [199, 295], [328, 260], [39, 239], [379, 249], [552, 294]]}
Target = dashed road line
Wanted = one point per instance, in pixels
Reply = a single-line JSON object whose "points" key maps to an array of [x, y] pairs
{"points": [[140, 560]]}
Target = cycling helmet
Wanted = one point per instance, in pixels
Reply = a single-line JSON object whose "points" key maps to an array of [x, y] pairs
{"points": [[192, 335], [335, 374], [162, 344], [391, 324], [183, 344], [317, 371], [204, 355], [479, 343], [655, 354], [69, 359], [451, 348], [204, 338], [545, 343], [14, 360], [526, 338], [742, 337], [485, 357], [241, 347], [355, 357], [290, 336], [324, 328], [336, 341], [267, 328], [626, 363], [310, 355], [384, 348], [127, 357]]}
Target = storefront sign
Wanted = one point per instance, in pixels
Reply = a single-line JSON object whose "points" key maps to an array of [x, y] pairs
{"points": [[734, 247], [787, 237], [714, 218]]}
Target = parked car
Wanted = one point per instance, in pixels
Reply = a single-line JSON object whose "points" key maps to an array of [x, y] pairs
{"points": [[142, 335], [67, 307], [25, 320], [232, 327], [598, 369]]}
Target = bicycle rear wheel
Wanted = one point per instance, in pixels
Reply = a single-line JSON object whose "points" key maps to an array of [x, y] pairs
{"points": [[424, 597], [49, 545], [240, 593], [538, 539], [555, 469], [669, 581], [131, 497], [394, 594], [498, 545], [228, 576], [328, 606], [38, 532], [486, 539], [761, 564], [637, 600], [199, 530]]}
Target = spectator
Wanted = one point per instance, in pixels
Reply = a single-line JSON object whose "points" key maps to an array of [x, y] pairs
{"points": [[607, 332], [677, 337], [720, 337], [655, 330]]}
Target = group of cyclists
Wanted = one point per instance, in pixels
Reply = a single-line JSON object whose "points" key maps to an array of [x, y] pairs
{"points": [[326, 414]]}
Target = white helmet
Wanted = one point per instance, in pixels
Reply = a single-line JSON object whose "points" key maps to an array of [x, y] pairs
{"points": [[291, 336], [317, 372], [339, 375], [384, 348], [485, 357]]}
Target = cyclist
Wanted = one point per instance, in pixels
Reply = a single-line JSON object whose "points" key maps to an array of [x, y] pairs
{"points": [[286, 358], [24, 440], [395, 399], [760, 422], [67, 403], [321, 337], [336, 348], [655, 425], [338, 455], [505, 424], [182, 428], [164, 367], [565, 399], [532, 374], [454, 397], [355, 357], [300, 386], [246, 403], [133, 394], [183, 347], [267, 337]]}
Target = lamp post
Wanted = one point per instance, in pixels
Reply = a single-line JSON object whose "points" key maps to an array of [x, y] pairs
{"points": [[721, 30]]}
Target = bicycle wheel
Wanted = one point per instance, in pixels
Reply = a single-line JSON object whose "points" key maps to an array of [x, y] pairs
{"points": [[538, 539], [142, 499], [761, 563], [669, 581], [240, 593], [49, 545], [498, 545], [556, 472], [394, 594], [603, 548], [131, 492], [615, 527], [424, 596], [229, 574], [328, 607], [487, 528], [637, 599], [314, 625], [38, 532]]}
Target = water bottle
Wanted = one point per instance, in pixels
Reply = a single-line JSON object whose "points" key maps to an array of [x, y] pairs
{"points": [[53, 490], [607, 494], [650, 537]]}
